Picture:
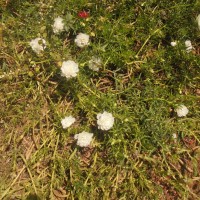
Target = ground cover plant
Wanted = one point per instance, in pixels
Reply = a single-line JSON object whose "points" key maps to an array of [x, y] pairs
{"points": [[99, 99]]}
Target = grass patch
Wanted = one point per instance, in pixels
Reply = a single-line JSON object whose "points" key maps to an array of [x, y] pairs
{"points": [[149, 153]]}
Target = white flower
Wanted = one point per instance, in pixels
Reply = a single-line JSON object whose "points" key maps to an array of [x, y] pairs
{"points": [[174, 135], [67, 121], [173, 44], [188, 45], [182, 111], [58, 25], [83, 139], [105, 120], [82, 40], [198, 21], [38, 45], [69, 69], [95, 63]]}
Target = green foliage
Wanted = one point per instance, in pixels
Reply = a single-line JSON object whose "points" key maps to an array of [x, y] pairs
{"points": [[141, 81]]}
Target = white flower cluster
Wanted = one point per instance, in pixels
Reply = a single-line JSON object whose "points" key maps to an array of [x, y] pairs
{"points": [[58, 25], [38, 45], [182, 111], [95, 63], [69, 69], [105, 121], [83, 139], [67, 121], [82, 40], [173, 44], [188, 45]]}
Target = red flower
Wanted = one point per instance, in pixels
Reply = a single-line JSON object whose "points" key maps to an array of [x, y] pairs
{"points": [[83, 14]]}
